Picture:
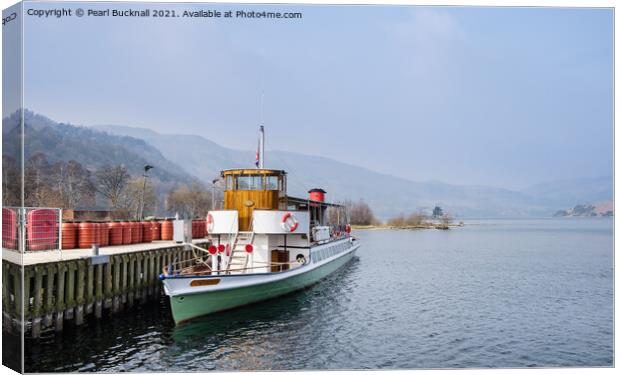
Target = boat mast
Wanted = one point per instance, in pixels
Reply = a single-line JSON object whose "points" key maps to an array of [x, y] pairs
{"points": [[261, 148], [261, 155]]}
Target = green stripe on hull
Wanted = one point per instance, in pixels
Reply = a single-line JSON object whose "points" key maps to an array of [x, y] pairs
{"points": [[193, 305]]}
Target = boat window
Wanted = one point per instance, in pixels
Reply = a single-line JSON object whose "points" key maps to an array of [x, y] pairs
{"points": [[271, 183], [243, 182], [229, 182], [249, 182], [256, 183]]}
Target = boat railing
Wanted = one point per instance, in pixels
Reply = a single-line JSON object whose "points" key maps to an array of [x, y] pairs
{"points": [[270, 265], [192, 267], [199, 262], [292, 265]]}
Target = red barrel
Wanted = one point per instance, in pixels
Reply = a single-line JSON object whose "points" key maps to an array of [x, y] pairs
{"points": [[138, 226], [42, 229], [127, 229], [97, 233], [9, 229], [104, 234], [147, 231], [317, 195], [115, 234], [166, 230], [136, 232], [87, 235], [156, 234], [200, 228], [194, 229], [69, 236]]}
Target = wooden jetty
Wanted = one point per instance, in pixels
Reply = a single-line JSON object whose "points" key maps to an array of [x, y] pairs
{"points": [[48, 289]]}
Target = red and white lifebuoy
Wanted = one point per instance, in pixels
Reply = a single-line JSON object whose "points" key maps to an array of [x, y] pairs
{"points": [[347, 229], [210, 223], [289, 222]]}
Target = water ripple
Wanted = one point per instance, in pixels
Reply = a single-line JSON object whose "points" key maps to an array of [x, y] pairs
{"points": [[511, 294]]}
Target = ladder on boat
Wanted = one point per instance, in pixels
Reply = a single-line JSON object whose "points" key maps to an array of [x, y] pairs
{"points": [[239, 258]]}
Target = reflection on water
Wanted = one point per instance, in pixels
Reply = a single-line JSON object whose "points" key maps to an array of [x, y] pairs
{"points": [[491, 294]]}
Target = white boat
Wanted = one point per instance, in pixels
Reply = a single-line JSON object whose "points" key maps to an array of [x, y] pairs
{"points": [[264, 244]]}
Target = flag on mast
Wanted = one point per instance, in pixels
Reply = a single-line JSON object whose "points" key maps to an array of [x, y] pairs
{"points": [[257, 161], [260, 151]]}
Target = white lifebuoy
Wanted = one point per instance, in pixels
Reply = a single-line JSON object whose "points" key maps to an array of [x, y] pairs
{"points": [[210, 223], [289, 223]]}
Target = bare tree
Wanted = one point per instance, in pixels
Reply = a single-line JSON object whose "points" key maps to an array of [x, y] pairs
{"points": [[73, 184], [111, 183], [416, 218], [37, 190], [189, 201], [11, 182], [132, 195], [360, 213], [397, 221]]}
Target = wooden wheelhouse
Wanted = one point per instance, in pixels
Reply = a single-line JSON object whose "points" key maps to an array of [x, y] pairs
{"points": [[247, 190]]}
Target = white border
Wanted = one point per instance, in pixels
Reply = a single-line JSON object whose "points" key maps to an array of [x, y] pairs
{"points": [[485, 3]]}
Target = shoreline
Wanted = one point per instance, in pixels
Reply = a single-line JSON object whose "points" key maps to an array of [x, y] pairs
{"points": [[407, 227]]}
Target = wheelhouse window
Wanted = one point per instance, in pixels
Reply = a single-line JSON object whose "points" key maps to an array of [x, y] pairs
{"points": [[229, 182], [271, 183], [245, 182]]}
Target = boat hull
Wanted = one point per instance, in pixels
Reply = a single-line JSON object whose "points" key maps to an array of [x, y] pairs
{"points": [[189, 306]]}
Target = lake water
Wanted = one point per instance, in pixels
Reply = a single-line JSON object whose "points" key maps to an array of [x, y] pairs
{"points": [[503, 293]]}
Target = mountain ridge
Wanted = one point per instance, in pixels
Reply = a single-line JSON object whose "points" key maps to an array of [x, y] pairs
{"points": [[182, 158], [387, 194], [90, 147]]}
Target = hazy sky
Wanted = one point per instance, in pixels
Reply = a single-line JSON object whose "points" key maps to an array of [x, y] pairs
{"points": [[497, 96]]}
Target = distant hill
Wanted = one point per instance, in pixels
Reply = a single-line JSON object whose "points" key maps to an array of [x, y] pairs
{"points": [[566, 193], [184, 158], [91, 148], [94, 148], [604, 209], [388, 195]]}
